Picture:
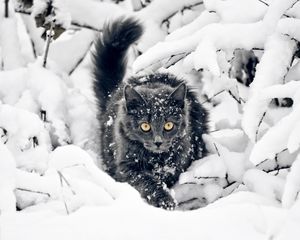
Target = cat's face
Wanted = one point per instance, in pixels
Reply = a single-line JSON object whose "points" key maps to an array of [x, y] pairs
{"points": [[156, 117]]}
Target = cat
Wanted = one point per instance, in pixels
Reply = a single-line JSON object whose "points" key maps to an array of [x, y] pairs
{"points": [[151, 126]]}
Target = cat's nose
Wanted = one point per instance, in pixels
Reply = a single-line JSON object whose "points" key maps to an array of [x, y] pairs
{"points": [[158, 141]]}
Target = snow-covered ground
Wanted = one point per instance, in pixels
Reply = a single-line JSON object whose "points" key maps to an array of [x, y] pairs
{"points": [[239, 216], [246, 188]]}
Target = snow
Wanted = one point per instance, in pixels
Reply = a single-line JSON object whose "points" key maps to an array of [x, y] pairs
{"points": [[204, 19], [7, 181], [279, 49], [246, 187], [9, 41], [237, 11], [92, 13], [152, 17], [253, 217], [264, 184], [286, 127], [292, 185]]}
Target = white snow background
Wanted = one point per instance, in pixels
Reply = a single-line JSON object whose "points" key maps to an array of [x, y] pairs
{"points": [[246, 188]]}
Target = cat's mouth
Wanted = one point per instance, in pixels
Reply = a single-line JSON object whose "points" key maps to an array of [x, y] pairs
{"points": [[156, 149]]}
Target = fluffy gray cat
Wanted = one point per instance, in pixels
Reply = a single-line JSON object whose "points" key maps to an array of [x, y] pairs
{"points": [[151, 126]]}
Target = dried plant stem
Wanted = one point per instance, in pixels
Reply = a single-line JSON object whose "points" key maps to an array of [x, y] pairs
{"points": [[6, 13], [49, 39]]}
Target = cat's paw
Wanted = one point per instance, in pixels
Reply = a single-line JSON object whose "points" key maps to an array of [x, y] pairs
{"points": [[162, 199]]}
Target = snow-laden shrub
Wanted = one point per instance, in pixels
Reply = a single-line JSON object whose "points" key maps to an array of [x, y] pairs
{"points": [[254, 140]]}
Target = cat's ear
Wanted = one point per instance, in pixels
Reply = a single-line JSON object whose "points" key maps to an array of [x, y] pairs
{"points": [[178, 95], [133, 99]]}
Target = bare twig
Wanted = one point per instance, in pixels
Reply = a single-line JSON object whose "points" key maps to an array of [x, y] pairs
{"points": [[6, 13], [38, 192], [49, 39], [216, 130], [293, 4], [277, 168], [234, 97], [86, 26], [43, 115], [263, 2], [61, 184], [260, 122], [75, 165], [81, 59], [174, 59], [206, 177], [73, 23], [266, 160], [182, 10], [63, 179], [217, 150], [286, 15], [209, 99]]}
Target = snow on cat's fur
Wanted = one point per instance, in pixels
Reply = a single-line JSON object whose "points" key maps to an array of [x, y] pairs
{"points": [[151, 127]]}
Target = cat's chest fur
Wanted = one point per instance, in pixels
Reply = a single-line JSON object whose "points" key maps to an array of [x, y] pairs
{"points": [[121, 153]]}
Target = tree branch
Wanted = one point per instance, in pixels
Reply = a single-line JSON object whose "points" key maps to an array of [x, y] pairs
{"points": [[80, 60], [182, 10], [73, 23], [27, 190], [49, 39], [6, 11], [260, 122]]}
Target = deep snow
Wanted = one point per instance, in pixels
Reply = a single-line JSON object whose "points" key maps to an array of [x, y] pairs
{"points": [[246, 188]]}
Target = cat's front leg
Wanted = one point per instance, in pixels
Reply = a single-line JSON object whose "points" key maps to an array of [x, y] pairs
{"points": [[149, 187], [153, 191], [161, 198]]}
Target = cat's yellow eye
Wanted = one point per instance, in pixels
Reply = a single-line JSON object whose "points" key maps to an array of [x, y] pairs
{"points": [[168, 126], [146, 127]]}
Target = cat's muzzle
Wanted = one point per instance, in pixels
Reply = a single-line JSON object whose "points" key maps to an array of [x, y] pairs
{"points": [[157, 147]]}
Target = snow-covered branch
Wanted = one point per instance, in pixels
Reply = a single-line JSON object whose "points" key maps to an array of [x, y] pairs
{"points": [[204, 43]]}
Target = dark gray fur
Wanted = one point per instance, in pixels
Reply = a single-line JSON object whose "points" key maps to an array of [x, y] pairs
{"points": [[153, 161]]}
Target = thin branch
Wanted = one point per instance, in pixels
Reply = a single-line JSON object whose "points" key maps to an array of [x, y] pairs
{"points": [[209, 99], [277, 168], [230, 184], [263, 2], [62, 178], [293, 5], [217, 150], [6, 13], [216, 130], [81, 59], [260, 122], [234, 97], [189, 7], [75, 165], [33, 48], [206, 177], [49, 39], [174, 59], [182, 10], [85, 26], [73, 23], [61, 184], [270, 170], [38, 192]]}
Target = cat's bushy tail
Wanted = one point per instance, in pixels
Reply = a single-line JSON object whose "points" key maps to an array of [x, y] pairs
{"points": [[110, 58]]}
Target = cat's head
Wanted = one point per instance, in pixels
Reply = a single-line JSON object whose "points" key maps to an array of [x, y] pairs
{"points": [[156, 117]]}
